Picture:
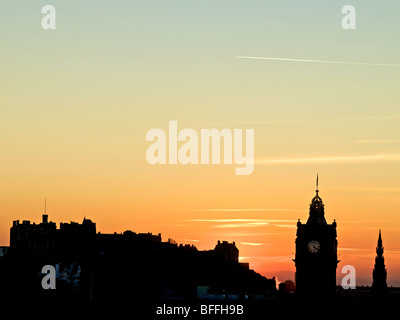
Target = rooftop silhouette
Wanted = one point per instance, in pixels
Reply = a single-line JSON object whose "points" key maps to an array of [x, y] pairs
{"points": [[92, 266]]}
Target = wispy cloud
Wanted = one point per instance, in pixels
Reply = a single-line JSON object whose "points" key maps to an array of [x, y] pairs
{"points": [[253, 122], [320, 61], [378, 141], [254, 244], [170, 225], [248, 209], [292, 121], [239, 220], [392, 252], [242, 234], [363, 221], [375, 189], [276, 258], [332, 159], [245, 223], [245, 258], [240, 225]]}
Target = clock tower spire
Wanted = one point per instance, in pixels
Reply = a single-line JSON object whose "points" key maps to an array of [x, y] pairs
{"points": [[317, 211], [316, 253]]}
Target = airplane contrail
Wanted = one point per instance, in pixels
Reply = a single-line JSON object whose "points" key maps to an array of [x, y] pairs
{"points": [[321, 61]]}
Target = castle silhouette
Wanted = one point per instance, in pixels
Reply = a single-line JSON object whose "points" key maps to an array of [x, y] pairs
{"points": [[94, 266]]}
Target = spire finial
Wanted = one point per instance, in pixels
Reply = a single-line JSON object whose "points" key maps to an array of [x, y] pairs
{"points": [[317, 185], [45, 205]]}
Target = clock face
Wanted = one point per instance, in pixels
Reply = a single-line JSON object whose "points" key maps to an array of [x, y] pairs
{"points": [[314, 246]]}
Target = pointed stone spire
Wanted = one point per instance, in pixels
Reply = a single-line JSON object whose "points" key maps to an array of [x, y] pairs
{"points": [[379, 274], [380, 239]]}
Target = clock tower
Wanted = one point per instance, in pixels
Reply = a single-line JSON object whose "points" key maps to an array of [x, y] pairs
{"points": [[316, 254]]}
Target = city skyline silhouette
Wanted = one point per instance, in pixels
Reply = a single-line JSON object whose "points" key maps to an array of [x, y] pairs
{"points": [[90, 265]]}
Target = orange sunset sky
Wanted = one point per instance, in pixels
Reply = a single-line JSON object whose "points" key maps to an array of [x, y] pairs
{"points": [[77, 102]]}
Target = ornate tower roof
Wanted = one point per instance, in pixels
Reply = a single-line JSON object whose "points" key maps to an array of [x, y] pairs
{"points": [[317, 211]]}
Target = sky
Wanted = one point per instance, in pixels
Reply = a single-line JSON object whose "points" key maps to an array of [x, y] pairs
{"points": [[77, 102]]}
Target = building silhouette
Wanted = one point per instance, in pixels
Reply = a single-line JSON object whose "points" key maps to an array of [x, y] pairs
{"points": [[379, 274], [227, 251], [119, 267], [45, 240], [378, 291], [316, 253]]}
